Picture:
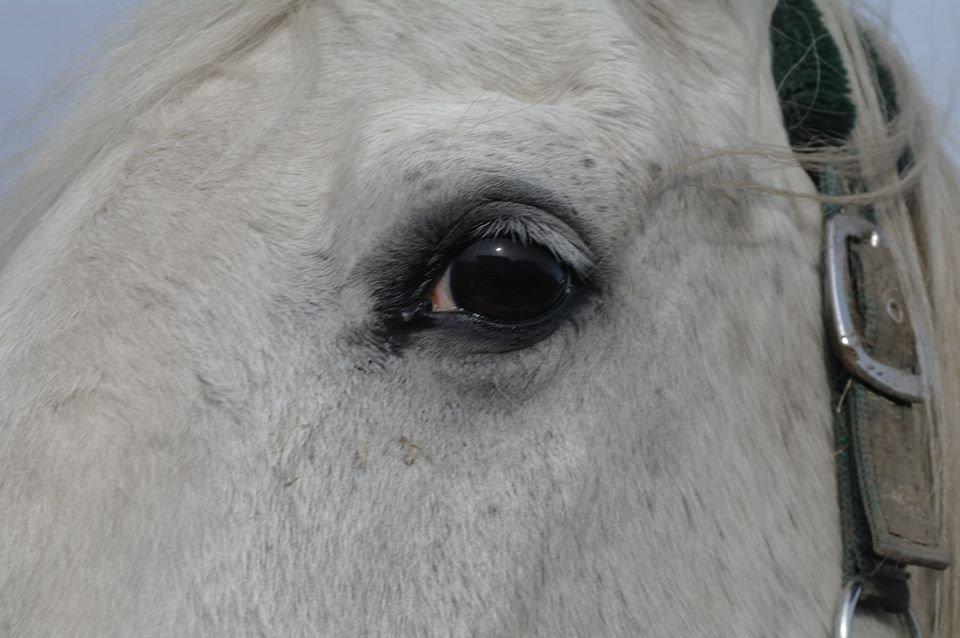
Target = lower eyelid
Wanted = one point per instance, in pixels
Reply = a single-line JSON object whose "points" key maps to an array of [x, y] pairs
{"points": [[459, 333]]}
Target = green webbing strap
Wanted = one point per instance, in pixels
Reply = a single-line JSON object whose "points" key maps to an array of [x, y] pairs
{"points": [[853, 521], [810, 77]]}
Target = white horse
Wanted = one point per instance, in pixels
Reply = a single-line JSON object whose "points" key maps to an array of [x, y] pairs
{"points": [[219, 415]]}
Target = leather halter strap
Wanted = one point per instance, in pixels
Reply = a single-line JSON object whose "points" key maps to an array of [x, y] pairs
{"points": [[882, 431], [883, 423]]}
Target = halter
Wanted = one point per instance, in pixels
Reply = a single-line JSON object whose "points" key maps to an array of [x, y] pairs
{"points": [[879, 368]]}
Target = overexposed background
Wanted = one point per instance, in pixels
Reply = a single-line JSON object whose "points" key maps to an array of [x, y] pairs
{"points": [[43, 41], [929, 32]]}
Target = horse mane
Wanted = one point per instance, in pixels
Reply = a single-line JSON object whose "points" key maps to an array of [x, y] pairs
{"points": [[170, 46], [162, 51]]}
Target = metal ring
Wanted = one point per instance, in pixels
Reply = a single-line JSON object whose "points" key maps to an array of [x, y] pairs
{"points": [[849, 597]]}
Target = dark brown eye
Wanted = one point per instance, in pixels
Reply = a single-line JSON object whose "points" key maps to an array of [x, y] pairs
{"points": [[501, 279]]}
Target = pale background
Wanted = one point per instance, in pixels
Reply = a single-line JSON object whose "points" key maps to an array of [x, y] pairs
{"points": [[41, 39]]}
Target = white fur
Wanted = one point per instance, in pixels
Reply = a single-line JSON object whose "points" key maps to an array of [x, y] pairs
{"points": [[196, 436]]}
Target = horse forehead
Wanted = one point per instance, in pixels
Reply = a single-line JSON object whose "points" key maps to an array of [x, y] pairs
{"points": [[498, 19], [576, 97], [501, 41], [677, 68]]}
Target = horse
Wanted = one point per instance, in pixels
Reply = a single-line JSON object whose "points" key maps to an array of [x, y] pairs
{"points": [[250, 384]]}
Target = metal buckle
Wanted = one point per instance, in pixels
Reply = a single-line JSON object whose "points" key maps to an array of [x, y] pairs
{"points": [[843, 626], [890, 381]]}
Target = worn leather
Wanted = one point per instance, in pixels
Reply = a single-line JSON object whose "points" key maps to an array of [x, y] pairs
{"points": [[891, 439]]}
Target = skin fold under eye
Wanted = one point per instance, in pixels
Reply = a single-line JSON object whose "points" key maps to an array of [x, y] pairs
{"points": [[501, 279]]}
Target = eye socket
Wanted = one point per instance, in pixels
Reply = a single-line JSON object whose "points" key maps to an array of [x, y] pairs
{"points": [[502, 279]]}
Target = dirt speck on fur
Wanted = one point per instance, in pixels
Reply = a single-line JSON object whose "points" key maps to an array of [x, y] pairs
{"points": [[361, 455], [412, 451]]}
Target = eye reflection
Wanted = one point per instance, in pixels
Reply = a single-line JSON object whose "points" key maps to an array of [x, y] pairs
{"points": [[502, 279]]}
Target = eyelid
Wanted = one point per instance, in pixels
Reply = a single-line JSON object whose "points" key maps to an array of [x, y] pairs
{"points": [[528, 224]]}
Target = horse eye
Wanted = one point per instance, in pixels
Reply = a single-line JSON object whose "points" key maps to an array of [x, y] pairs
{"points": [[501, 279]]}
